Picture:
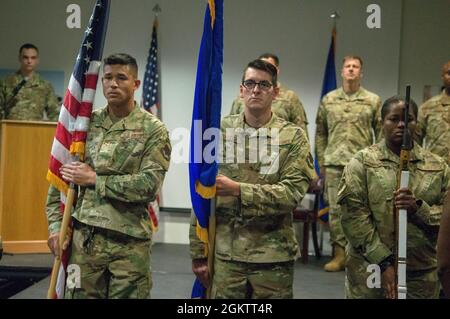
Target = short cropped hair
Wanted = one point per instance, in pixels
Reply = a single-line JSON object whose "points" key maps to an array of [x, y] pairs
{"points": [[122, 59], [353, 57], [28, 46], [395, 100], [263, 66], [270, 56]]}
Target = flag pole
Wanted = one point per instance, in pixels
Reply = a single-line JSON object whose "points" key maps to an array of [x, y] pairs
{"points": [[335, 16], [328, 84], [211, 245], [151, 102], [51, 293]]}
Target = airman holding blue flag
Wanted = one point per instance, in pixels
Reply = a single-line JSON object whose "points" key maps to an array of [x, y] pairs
{"points": [[287, 104], [265, 170]]}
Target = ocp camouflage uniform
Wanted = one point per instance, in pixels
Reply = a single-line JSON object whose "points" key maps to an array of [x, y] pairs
{"points": [[366, 195], [255, 246], [287, 105], [433, 125], [32, 100], [345, 124], [112, 230]]}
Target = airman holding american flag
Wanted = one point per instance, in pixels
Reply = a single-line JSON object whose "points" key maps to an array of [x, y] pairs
{"points": [[127, 156]]}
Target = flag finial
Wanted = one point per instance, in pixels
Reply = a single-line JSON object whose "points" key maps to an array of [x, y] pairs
{"points": [[157, 9], [335, 15]]}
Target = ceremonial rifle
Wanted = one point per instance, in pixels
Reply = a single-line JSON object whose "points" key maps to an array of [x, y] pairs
{"points": [[400, 215]]}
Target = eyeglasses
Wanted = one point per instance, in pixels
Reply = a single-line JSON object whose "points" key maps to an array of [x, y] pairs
{"points": [[263, 85]]}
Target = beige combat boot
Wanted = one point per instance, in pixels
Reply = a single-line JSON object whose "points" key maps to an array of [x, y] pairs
{"points": [[338, 262]]}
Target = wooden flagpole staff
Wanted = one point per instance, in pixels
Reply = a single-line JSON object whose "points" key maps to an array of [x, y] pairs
{"points": [[51, 293]]}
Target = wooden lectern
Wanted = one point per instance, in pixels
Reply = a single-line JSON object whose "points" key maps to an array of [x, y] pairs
{"points": [[24, 155]]}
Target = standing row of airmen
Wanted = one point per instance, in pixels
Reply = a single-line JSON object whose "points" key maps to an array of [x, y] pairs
{"points": [[255, 246], [128, 154]]}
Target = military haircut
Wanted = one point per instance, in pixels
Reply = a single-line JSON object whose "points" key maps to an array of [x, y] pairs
{"points": [[262, 66], [395, 100], [122, 59], [353, 57], [270, 56], [28, 46]]}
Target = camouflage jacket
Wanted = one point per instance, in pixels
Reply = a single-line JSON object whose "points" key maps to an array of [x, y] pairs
{"points": [[346, 124], [287, 105], [257, 226], [366, 197], [433, 125], [130, 158], [35, 97]]}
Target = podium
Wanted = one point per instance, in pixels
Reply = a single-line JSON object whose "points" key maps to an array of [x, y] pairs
{"points": [[24, 155]]}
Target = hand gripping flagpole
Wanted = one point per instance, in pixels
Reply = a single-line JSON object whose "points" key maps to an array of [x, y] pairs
{"points": [[51, 293]]}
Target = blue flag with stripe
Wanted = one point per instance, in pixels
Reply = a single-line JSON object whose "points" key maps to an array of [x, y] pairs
{"points": [[206, 115], [329, 84]]}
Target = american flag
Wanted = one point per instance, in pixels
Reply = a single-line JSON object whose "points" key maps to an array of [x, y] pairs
{"points": [[150, 93], [74, 117], [150, 102]]}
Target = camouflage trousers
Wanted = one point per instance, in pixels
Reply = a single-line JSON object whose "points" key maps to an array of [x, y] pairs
{"points": [[332, 179], [240, 280], [110, 265], [423, 284]]}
